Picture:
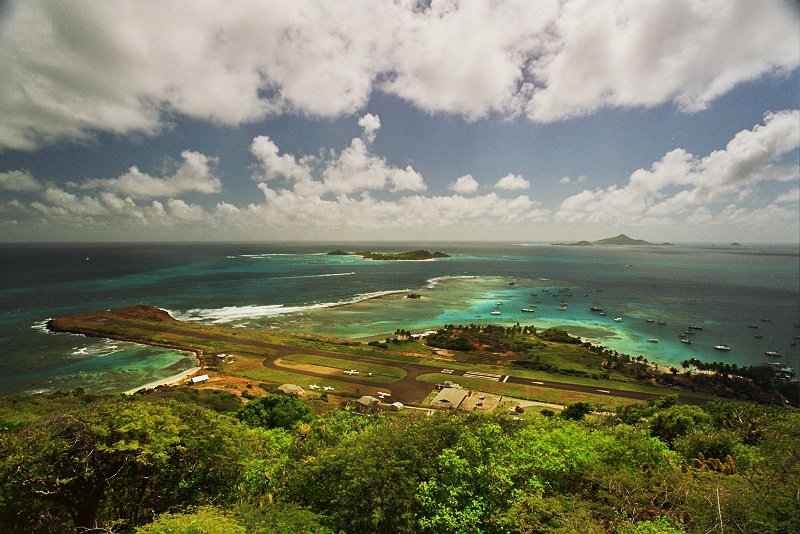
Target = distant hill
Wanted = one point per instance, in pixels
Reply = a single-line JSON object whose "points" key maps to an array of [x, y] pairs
{"points": [[621, 239], [411, 255]]}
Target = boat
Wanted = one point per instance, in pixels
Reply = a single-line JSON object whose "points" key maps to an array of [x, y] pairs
{"points": [[695, 327], [618, 320], [772, 352], [495, 313], [528, 310], [596, 308], [652, 340], [562, 308], [721, 345], [651, 320], [758, 336], [687, 341]]}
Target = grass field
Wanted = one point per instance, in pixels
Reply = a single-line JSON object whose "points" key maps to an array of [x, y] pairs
{"points": [[381, 374]]}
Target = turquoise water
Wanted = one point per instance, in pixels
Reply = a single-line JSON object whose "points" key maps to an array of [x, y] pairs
{"points": [[299, 288]]}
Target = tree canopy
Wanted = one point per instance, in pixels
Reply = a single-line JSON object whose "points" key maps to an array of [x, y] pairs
{"points": [[152, 465]]}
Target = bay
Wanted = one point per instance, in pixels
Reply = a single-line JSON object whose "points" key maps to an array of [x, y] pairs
{"points": [[734, 292]]}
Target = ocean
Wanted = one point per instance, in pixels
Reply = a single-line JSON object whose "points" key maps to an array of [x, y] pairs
{"points": [[746, 297]]}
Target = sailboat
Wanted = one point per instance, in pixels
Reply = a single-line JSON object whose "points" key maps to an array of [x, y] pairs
{"points": [[772, 352], [720, 345]]}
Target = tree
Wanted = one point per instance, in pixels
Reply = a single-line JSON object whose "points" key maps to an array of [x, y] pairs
{"points": [[205, 520], [275, 411], [116, 461], [576, 411], [367, 481]]}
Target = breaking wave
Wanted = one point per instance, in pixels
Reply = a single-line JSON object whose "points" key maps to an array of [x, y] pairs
{"points": [[234, 313]]}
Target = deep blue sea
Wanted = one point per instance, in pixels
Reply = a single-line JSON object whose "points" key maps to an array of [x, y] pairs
{"points": [[747, 297]]}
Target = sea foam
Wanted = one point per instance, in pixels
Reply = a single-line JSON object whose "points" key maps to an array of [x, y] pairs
{"points": [[233, 313]]}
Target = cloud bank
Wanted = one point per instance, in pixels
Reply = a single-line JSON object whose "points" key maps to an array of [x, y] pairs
{"points": [[70, 70], [355, 192], [682, 184]]}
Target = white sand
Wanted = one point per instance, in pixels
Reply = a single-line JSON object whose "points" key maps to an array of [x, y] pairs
{"points": [[167, 381]]}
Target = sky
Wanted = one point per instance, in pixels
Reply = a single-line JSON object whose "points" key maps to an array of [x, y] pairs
{"points": [[311, 120]]}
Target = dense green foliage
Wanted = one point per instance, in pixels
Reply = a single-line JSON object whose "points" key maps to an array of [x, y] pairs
{"points": [[275, 411], [152, 465]]}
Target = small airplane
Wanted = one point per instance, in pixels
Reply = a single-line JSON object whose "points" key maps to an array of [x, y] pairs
{"points": [[351, 372], [313, 386], [383, 394], [327, 388]]}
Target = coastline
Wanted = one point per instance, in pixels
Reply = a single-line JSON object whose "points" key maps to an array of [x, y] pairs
{"points": [[169, 381]]}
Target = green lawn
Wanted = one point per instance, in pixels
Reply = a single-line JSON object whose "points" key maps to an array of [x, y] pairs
{"points": [[383, 374]]}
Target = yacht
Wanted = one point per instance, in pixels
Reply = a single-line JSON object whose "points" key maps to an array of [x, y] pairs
{"points": [[721, 345]]}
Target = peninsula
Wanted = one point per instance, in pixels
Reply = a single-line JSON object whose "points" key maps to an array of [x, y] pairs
{"points": [[413, 255]]}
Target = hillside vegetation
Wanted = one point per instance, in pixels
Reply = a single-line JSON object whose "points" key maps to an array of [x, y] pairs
{"points": [[170, 461]]}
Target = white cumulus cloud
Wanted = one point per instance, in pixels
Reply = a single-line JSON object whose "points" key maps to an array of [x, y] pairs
{"points": [[194, 174], [680, 183], [512, 182], [73, 69], [464, 185], [352, 170], [370, 123]]}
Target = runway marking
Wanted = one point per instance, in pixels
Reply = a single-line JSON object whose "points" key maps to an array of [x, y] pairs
{"points": [[506, 378], [538, 383], [603, 391], [447, 371], [483, 376]]}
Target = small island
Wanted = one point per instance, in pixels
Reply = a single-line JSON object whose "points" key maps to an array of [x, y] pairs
{"points": [[621, 239], [414, 255]]}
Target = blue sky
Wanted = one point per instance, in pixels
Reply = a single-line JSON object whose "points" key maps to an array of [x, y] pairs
{"points": [[389, 120]]}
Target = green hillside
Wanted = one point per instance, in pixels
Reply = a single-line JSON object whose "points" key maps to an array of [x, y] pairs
{"points": [[169, 461]]}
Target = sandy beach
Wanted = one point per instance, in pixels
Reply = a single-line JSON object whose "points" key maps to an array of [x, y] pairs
{"points": [[169, 381]]}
